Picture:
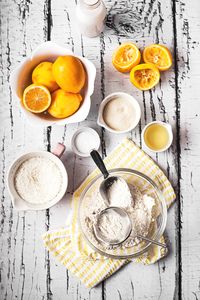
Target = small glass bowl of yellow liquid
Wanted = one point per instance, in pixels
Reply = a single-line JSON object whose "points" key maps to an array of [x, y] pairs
{"points": [[157, 136]]}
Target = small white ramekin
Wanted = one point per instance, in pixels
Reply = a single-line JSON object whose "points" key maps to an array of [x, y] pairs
{"points": [[169, 129], [100, 120], [92, 134], [21, 204]]}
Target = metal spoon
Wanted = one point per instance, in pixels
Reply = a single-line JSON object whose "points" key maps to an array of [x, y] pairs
{"points": [[108, 180], [127, 231]]}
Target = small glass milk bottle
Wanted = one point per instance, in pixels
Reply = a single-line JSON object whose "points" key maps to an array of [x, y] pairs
{"points": [[90, 16]]}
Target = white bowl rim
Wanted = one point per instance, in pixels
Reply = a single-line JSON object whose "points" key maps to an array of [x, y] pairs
{"points": [[24, 204], [82, 129], [170, 132], [135, 103]]}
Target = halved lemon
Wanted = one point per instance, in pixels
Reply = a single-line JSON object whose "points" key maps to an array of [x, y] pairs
{"points": [[145, 76], [36, 98], [125, 57], [158, 55]]}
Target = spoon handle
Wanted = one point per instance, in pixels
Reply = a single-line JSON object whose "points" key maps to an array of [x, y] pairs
{"points": [[152, 241], [99, 162]]}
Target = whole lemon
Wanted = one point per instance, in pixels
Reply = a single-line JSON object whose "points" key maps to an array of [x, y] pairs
{"points": [[64, 104], [69, 73], [43, 75]]}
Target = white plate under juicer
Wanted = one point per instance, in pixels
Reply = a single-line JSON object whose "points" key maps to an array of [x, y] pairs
{"points": [[113, 211]]}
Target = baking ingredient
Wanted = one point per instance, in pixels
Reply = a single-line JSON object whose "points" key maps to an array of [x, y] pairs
{"points": [[69, 73], [85, 141], [38, 180], [140, 212], [156, 136], [43, 75], [125, 57], [142, 217], [36, 98], [64, 104], [119, 194], [90, 15], [119, 114], [158, 55], [145, 76], [113, 226]]}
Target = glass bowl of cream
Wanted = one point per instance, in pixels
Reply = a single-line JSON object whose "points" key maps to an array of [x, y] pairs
{"points": [[119, 113], [147, 210]]}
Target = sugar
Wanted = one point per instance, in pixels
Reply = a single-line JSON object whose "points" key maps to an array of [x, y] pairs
{"points": [[85, 142]]}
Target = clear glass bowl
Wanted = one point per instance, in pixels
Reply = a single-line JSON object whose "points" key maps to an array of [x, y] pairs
{"points": [[146, 186]]}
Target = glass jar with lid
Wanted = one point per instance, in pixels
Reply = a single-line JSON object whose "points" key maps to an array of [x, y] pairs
{"points": [[90, 16]]}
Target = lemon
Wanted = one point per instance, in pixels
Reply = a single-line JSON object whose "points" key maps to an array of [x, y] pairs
{"points": [[43, 75], [69, 73], [64, 104]]}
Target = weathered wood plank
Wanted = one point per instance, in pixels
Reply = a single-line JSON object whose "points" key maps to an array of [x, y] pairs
{"points": [[188, 63], [22, 254]]}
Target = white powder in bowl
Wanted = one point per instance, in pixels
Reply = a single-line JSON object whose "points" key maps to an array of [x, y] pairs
{"points": [[139, 206], [119, 194], [84, 141], [38, 180]]}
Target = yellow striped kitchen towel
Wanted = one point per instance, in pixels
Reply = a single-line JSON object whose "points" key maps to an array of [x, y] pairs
{"points": [[68, 245]]}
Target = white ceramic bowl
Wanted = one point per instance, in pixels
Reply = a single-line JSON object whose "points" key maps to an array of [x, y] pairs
{"points": [[92, 135], [100, 120], [170, 133], [21, 78], [21, 204]]}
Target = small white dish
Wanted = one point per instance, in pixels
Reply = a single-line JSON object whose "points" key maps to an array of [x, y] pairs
{"points": [[21, 204], [136, 106], [84, 141], [170, 133], [21, 77]]}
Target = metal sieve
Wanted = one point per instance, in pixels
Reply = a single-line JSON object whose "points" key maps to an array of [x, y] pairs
{"points": [[125, 232]]}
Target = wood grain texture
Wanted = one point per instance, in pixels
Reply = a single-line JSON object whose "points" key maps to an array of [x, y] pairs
{"points": [[187, 24], [27, 270]]}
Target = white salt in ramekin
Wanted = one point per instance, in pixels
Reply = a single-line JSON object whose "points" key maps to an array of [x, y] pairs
{"points": [[21, 204], [92, 135]]}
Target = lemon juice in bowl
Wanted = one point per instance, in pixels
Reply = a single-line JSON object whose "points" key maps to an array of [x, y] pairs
{"points": [[157, 136]]}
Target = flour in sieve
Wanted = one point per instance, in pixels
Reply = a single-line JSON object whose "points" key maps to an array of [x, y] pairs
{"points": [[38, 180], [107, 225]]}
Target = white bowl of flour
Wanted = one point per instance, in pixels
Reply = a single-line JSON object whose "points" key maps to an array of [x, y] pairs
{"points": [[37, 180]]}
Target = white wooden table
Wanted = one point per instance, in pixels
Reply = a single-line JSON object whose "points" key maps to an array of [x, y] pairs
{"points": [[27, 270]]}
